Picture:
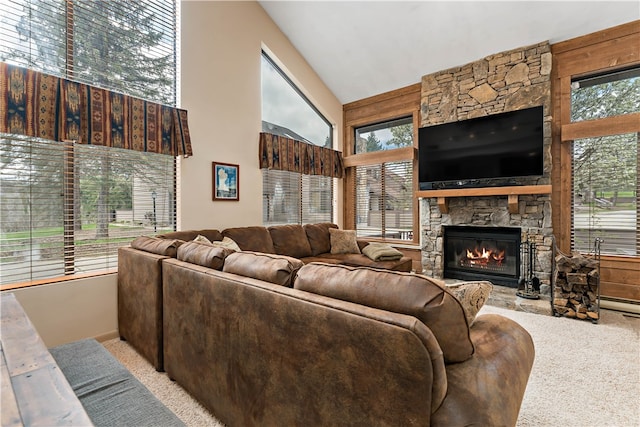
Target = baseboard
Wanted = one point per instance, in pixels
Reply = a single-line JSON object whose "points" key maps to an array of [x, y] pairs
{"points": [[108, 336], [617, 305]]}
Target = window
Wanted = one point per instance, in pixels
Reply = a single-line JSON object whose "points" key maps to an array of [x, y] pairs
{"points": [[292, 197], [605, 168], [390, 135], [65, 207], [384, 190]]}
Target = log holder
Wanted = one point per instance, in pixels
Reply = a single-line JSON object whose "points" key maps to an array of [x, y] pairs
{"points": [[596, 255]]}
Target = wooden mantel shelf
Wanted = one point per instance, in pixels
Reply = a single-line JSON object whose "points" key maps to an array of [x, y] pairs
{"points": [[512, 192]]}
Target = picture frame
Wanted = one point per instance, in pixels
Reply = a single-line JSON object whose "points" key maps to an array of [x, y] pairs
{"points": [[226, 181]]}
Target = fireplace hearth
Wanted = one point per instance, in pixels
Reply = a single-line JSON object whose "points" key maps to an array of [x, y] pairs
{"points": [[482, 253]]}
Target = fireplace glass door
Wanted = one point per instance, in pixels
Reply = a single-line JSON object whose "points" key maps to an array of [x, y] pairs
{"points": [[482, 253]]}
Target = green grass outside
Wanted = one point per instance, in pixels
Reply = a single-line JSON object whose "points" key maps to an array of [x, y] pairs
{"points": [[611, 194], [41, 233]]}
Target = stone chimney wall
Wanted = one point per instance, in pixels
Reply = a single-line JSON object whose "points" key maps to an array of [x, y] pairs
{"points": [[507, 81]]}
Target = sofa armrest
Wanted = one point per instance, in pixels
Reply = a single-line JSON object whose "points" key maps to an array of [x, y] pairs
{"points": [[488, 388], [140, 302]]}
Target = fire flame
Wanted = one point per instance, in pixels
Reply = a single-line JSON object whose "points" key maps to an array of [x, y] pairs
{"points": [[485, 256]]}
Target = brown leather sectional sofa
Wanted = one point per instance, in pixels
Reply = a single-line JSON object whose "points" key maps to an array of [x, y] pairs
{"points": [[140, 271], [263, 339], [308, 243]]}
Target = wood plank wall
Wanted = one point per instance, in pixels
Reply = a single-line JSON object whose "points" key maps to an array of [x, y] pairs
{"points": [[606, 50]]}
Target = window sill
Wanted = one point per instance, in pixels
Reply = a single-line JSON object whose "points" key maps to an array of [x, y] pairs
{"points": [[52, 280]]}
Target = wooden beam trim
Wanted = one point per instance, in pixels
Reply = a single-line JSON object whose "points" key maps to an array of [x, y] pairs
{"points": [[404, 91], [443, 205], [629, 123], [596, 38], [364, 159], [486, 191]]}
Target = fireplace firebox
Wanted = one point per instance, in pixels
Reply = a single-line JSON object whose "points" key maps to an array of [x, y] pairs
{"points": [[482, 253]]}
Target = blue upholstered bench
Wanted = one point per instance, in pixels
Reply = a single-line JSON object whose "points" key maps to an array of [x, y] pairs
{"points": [[110, 394]]}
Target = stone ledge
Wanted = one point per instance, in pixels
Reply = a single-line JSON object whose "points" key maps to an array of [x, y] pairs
{"points": [[505, 297]]}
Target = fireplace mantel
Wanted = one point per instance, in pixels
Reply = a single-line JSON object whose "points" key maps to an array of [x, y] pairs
{"points": [[512, 192]]}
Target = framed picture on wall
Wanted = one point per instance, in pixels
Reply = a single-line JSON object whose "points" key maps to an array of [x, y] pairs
{"points": [[226, 181]]}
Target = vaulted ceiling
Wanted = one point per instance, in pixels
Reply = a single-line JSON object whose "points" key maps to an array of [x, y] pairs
{"points": [[363, 48]]}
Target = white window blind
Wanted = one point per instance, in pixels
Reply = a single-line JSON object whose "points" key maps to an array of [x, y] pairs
{"points": [[384, 200], [125, 46], [605, 168], [294, 198], [605, 194], [66, 208]]}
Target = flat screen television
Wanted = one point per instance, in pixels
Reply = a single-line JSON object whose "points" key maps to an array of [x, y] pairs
{"points": [[483, 151]]}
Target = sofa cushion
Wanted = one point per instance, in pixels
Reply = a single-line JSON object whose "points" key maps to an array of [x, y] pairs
{"points": [[188, 235], [405, 293], [318, 237], [253, 238], [343, 241], [155, 245], [290, 240], [278, 269], [203, 254]]}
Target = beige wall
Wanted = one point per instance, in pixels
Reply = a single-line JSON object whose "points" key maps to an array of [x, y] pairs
{"points": [[221, 45], [69, 311]]}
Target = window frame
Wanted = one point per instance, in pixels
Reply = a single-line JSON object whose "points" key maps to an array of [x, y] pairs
{"points": [[303, 184], [386, 107], [264, 54], [67, 71]]}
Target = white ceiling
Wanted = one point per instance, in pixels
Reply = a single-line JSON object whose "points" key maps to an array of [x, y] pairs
{"points": [[363, 48]]}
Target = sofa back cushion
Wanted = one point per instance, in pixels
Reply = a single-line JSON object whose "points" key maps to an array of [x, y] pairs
{"points": [[290, 240], [203, 254], [155, 245], [318, 237], [188, 235], [253, 238], [405, 293], [278, 269]]}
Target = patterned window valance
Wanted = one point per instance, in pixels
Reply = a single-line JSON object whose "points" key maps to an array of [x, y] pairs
{"points": [[44, 106], [282, 153]]}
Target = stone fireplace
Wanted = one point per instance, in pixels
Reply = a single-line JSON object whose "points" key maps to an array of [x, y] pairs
{"points": [[507, 81]]}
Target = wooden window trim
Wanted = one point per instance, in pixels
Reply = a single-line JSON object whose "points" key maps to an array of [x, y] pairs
{"points": [[384, 107], [592, 53]]}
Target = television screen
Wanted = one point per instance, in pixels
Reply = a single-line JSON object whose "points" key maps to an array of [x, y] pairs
{"points": [[464, 153]]}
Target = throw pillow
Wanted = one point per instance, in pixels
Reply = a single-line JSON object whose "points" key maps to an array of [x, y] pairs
{"points": [[343, 241], [201, 239], [472, 296], [227, 243]]}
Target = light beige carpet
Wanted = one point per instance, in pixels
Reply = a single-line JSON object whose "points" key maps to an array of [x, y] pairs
{"points": [[584, 374]]}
